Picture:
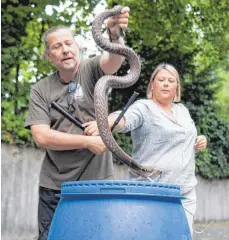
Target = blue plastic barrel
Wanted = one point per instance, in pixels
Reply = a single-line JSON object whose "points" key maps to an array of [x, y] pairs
{"points": [[128, 210]]}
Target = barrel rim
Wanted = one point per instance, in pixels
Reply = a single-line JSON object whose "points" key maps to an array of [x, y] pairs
{"points": [[119, 183], [119, 188]]}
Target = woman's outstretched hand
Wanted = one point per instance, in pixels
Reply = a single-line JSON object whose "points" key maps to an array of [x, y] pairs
{"points": [[91, 128], [201, 143]]}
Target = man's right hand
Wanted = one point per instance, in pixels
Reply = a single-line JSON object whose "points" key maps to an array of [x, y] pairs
{"points": [[96, 145]]}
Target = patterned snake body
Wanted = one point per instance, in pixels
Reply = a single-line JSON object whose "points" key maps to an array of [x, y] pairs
{"points": [[110, 81]]}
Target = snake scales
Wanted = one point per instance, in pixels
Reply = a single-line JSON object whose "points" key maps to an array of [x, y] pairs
{"points": [[110, 81]]}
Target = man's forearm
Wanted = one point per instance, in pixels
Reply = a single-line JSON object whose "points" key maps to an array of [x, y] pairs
{"points": [[55, 140]]}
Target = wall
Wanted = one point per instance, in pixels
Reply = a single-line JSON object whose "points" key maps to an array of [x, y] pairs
{"points": [[20, 172]]}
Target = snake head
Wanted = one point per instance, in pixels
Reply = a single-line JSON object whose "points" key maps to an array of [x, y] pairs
{"points": [[117, 10]]}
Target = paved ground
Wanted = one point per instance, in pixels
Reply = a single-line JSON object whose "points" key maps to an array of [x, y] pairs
{"points": [[218, 231]]}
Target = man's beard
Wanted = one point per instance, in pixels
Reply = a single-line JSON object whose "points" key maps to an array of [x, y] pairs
{"points": [[69, 67]]}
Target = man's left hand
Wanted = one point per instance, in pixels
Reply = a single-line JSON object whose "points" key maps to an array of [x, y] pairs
{"points": [[119, 21]]}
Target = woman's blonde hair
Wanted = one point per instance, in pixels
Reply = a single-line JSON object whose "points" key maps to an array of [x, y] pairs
{"points": [[170, 68]]}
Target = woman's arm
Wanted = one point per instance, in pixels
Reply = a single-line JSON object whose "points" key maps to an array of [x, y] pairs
{"points": [[131, 120], [91, 128]]}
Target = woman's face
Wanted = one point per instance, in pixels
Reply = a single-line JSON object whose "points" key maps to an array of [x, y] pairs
{"points": [[164, 86]]}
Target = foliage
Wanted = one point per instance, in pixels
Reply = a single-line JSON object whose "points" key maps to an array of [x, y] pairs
{"points": [[214, 161], [193, 36], [222, 95]]}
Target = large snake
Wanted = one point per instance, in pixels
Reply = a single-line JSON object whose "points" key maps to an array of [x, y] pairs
{"points": [[110, 81]]}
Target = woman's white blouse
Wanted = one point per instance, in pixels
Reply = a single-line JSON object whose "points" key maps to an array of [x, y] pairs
{"points": [[164, 142]]}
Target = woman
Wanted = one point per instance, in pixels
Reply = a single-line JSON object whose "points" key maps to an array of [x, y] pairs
{"points": [[163, 134]]}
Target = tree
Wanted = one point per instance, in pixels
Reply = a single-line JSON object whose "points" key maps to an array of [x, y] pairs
{"points": [[199, 97], [194, 37], [222, 95]]}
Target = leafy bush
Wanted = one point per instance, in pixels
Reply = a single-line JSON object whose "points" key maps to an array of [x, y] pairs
{"points": [[199, 97]]}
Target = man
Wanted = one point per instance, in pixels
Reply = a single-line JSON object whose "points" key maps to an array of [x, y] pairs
{"points": [[70, 155]]}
